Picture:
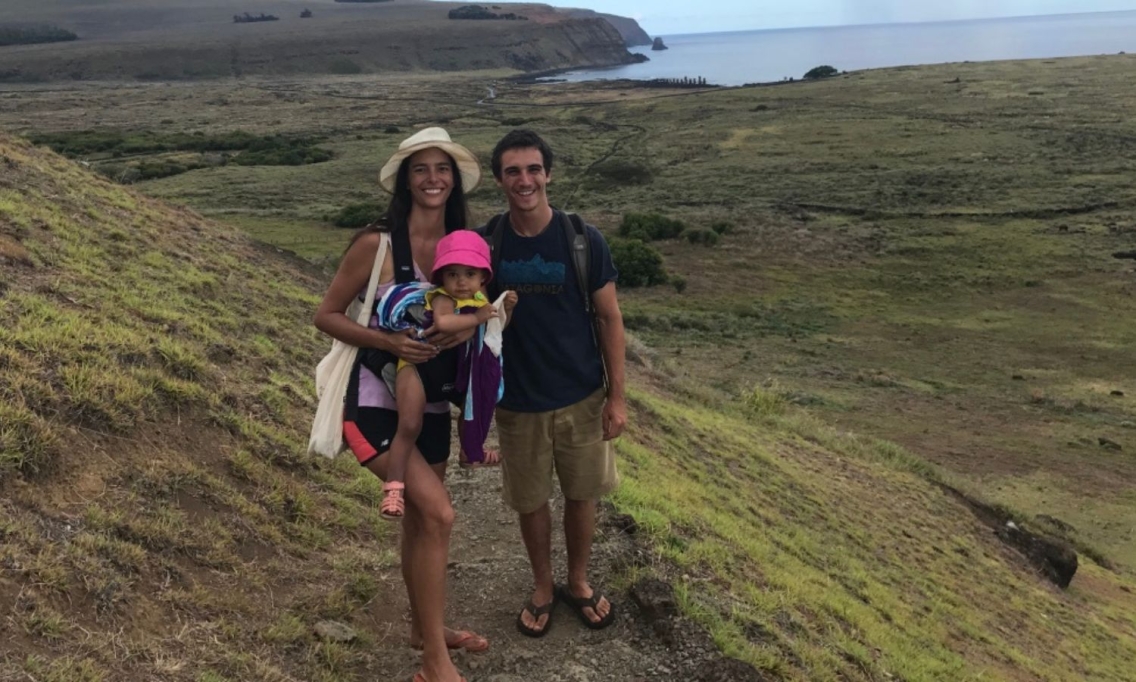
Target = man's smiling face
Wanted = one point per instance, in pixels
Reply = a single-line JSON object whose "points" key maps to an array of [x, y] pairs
{"points": [[524, 179]]}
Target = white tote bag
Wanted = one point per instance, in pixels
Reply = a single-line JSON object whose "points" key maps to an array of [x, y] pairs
{"points": [[334, 372]]}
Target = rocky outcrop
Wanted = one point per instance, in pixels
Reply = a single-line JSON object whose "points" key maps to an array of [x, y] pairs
{"points": [[659, 45], [633, 34]]}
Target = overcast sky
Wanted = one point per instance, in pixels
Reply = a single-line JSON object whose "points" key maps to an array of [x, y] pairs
{"points": [[662, 17]]}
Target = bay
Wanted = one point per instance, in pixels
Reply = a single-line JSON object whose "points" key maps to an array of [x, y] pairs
{"points": [[740, 57]]}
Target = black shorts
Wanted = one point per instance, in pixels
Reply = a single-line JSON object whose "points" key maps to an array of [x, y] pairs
{"points": [[373, 429]]}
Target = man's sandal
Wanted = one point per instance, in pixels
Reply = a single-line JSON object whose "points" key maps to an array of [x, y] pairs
{"points": [[393, 506], [536, 612], [578, 605]]}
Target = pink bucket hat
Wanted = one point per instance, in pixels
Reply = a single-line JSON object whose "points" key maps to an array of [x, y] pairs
{"points": [[461, 247]]}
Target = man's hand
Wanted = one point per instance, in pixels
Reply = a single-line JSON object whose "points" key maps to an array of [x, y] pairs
{"points": [[445, 341], [614, 417], [407, 346], [509, 303]]}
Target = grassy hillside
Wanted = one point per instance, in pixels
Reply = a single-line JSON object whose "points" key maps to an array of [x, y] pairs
{"points": [[149, 40], [159, 519], [916, 287]]}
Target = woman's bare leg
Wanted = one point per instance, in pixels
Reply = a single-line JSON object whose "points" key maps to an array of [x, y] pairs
{"points": [[425, 555]]}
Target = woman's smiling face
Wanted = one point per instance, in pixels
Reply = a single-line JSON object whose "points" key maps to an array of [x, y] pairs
{"points": [[431, 178]]}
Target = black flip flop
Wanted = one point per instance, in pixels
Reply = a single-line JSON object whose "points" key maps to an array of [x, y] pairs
{"points": [[578, 605], [537, 612]]}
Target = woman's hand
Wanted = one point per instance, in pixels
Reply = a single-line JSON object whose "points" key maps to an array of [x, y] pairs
{"points": [[407, 346], [443, 341]]}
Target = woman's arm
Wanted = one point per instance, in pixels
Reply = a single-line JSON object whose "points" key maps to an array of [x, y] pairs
{"points": [[353, 275], [448, 321]]}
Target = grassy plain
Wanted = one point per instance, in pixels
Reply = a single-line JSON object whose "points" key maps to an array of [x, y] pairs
{"points": [[918, 255]]}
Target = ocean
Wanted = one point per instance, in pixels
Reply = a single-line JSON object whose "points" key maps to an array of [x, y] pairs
{"points": [[740, 57]]}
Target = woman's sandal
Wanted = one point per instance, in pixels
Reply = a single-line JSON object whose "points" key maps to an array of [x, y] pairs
{"points": [[419, 677], [469, 641], [393, 506]]}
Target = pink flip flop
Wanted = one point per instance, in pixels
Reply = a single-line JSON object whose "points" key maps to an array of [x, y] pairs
{"points": [[419, 677], [471, 642]]}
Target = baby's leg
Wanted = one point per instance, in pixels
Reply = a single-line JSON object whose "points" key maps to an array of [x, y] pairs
{"points": [[411, 398]]}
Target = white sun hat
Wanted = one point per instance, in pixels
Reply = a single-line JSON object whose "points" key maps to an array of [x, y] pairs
{"points": [[426, 138]]}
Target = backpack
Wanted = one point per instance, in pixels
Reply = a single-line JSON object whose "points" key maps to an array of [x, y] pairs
{"points": [[576, 238]]}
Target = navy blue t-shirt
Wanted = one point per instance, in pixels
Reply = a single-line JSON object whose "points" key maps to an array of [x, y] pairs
{"points": [[550, 358]]}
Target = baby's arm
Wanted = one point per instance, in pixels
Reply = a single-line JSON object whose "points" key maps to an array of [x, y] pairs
{"points": [[448, 321]]}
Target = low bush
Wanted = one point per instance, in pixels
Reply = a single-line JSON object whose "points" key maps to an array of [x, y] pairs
{"points": [[358, 215], [28, 35], [639, 264], [257, 150], [650, 227], [700, 236], [722, 227], [344, 67]]}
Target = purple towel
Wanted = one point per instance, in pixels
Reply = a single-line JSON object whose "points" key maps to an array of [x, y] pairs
{"points": [[479, 373]]}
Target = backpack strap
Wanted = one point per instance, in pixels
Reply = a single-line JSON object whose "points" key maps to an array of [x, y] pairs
{"points": [[576, 236], [402, 255]]}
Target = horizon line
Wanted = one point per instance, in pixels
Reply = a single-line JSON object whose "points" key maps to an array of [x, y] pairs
{"points": [[897, 23]]}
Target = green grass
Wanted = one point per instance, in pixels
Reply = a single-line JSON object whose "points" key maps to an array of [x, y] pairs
{"points": [[819, 555], [155, 397]]}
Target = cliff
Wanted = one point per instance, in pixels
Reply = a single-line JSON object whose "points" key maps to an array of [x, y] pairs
{"points": [[633, 34], [341, 39]]}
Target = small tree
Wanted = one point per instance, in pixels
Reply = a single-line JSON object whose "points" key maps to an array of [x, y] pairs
{"points": [[821, 72]]}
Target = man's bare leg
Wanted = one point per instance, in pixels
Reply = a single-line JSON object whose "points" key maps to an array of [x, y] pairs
{"points": [[579, 527]]}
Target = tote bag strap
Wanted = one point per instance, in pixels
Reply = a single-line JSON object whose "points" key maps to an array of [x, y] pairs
{"points": [[369, 300]]}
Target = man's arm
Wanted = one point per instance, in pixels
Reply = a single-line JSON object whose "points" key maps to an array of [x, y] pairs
{"points": [[613, 346]]}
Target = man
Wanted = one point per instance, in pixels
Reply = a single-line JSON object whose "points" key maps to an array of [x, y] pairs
{"points": [[556, 411]]}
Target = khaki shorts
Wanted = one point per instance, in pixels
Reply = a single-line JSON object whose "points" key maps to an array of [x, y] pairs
{"points": [[569, 439]]}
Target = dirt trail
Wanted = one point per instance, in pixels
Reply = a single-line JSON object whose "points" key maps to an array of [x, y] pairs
{"points": [[489, 581]]}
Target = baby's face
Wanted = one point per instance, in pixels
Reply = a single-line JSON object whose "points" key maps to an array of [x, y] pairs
{"points": [[462, 281]]}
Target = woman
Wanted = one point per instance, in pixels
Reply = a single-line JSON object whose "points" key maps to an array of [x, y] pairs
{"points": [[427, 177]]}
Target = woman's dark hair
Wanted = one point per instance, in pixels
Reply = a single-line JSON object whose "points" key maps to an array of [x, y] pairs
{"points": [[397, 216]]}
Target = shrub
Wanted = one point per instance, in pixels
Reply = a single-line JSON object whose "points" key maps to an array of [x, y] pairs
{"points": [[650, 227], [639, 264], [679, 283], [722, 227], [700, 236], [358, 215], [344, 67], [821, 72], [28, 35], [623, 172]]}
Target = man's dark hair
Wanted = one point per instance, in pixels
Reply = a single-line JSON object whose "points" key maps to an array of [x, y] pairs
{"points": [[397, 216], [521, 139]]}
